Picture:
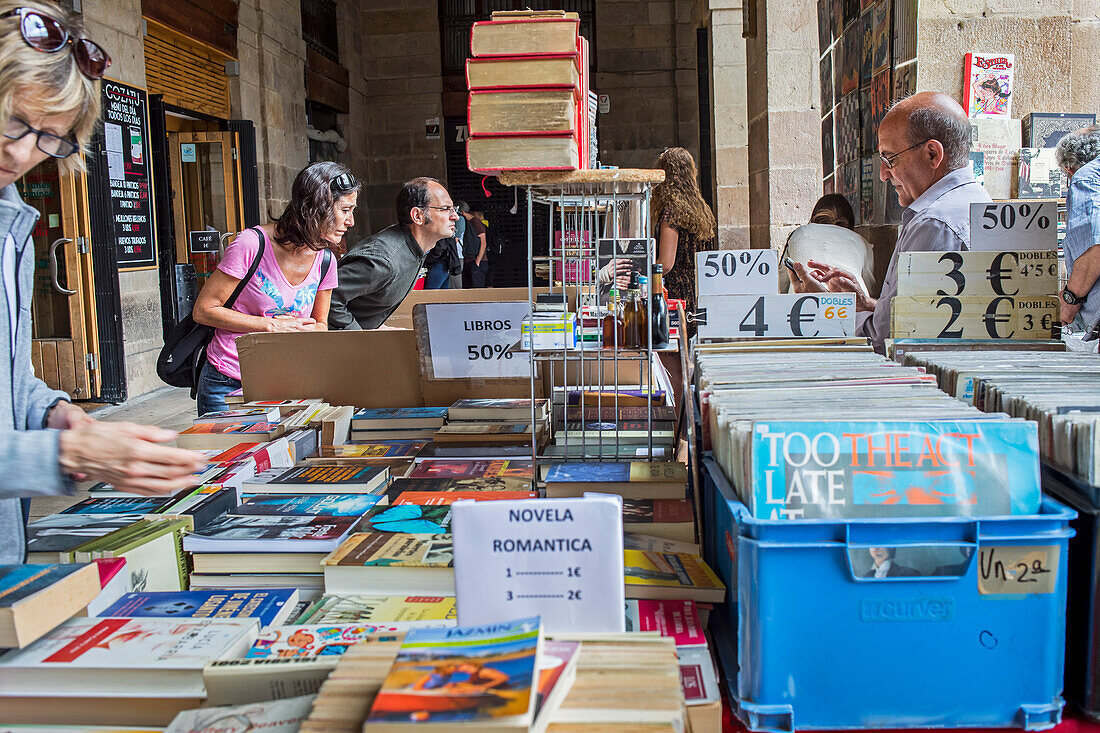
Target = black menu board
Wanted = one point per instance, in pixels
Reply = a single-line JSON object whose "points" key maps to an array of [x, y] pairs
{"points": [[124, 166]]}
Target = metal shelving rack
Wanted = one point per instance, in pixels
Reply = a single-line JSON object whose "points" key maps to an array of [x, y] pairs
{"points": [[593, 203]]}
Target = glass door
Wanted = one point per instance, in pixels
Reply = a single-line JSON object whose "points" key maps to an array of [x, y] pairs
{"points": [[64, 347], [207, 204]]}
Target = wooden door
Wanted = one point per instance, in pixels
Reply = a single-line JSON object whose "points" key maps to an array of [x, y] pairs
{"points": [[64, 347], [207, 202]]}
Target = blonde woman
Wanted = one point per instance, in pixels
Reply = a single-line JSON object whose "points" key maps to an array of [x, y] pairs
{"points": [[49, 104], [684, 225]]}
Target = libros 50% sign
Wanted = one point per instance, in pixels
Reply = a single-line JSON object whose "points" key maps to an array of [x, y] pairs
{"points": [[791, 315], [473, 340]]}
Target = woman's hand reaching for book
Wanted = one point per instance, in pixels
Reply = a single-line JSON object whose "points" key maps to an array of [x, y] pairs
{"points": [[127, 456]]}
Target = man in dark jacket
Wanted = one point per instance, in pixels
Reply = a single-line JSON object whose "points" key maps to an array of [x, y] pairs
{"points": [[377, 274]]}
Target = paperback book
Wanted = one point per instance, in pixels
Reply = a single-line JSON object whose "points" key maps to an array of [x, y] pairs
{"points": [[319, 479], [327, 505], [120, 505], [314, 640], [381, 449], [370, 609], [269, 607], [669, 575], [462, 677], [392, 564], [36, 598], [518, 470], [988, 85], [259, 533], [379, 418], [630, 479]]}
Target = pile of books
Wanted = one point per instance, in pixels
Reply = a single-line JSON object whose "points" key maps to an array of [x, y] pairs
{"points": [[863, 427], [319, 533], [1055, 389], [530, 105]]}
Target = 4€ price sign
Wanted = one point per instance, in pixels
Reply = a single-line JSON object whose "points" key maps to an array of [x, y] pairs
{"points": [[790, 315]]}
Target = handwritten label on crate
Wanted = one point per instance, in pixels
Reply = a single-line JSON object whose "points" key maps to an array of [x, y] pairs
{"points": [[790, 315], [1013, 225], [974, 317], [472, 340], [1015, 569], [561, 559], [737, 272], [988, 274]]}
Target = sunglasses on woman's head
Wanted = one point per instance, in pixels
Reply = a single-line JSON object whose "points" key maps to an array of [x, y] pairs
{"points": [[49, 35], [343, 183]]}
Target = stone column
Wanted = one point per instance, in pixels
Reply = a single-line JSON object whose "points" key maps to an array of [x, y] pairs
{"points": [[784, 156], [730, 123]]}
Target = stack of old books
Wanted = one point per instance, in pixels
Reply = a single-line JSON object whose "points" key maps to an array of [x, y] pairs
{"points": [[528, 83]]}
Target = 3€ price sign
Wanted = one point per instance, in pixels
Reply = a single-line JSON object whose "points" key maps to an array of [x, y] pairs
{"points": [[473, 340], [561, 559], [990, 274], [1013, 225], [737, 272], [791, 315]]}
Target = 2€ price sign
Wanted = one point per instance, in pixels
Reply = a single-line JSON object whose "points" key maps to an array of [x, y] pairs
{"points": [[1013, 225], [737, 272], [974, 317], [473, 340], [790, 315]]}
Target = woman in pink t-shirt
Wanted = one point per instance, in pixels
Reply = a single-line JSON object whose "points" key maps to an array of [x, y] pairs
{"points": [[293, 285]]}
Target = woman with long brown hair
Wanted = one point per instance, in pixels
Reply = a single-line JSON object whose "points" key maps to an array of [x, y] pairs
{"points": [[684, 224], [292, 285]]}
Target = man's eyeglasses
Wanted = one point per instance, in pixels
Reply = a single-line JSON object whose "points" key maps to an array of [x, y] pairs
{"points": [[449, 209], [47, 142], [344, 183], [888, 160], [49, 35]]}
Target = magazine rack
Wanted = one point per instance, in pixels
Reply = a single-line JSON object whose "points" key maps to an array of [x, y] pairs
{"points": [[589, 205]]}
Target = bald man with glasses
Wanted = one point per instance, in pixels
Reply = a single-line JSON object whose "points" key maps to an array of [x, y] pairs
{"points": [[924, 146], [379, 272]]}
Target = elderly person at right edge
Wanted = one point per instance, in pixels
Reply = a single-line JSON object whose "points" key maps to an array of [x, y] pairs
{"points": [[1077, 154], [924, 145]]}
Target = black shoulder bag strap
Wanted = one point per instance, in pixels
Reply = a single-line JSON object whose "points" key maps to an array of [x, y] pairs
{"points": [[251, 269]]}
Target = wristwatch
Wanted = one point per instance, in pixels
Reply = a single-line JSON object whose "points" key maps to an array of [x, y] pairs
{"points": [[1071, 298]]}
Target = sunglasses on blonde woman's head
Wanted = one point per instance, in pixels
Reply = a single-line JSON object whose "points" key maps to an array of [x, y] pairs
{"points": [[48, 34]]}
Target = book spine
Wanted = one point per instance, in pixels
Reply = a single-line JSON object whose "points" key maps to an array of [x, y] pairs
{"points": [[968, 66]]}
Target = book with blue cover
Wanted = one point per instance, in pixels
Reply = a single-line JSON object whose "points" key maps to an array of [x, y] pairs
{"points": [[120, 505], [852, 469], [272, 606], [408, 519], [327, 505], [465, 676], [631, 479], [36, 598], [379, 418]]}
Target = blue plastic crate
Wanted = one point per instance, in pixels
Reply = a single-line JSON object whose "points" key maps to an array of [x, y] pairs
{"points": [[822, 646]]}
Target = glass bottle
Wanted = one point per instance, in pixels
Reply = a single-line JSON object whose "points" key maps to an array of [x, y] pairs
{"points": [[613, 321], [658, 309], [630, 315], [643, 312]]}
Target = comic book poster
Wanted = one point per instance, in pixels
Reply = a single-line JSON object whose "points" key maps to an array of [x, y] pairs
{"points": [[826, 84], [847, 129], [896, 469], [850, 182], [824, 25], [905, 80], [866, 47], [866, 190], [880, 56], [867, 141], [853, 42], [828, 156], [878, 103], [987, 89], [836, 13]]}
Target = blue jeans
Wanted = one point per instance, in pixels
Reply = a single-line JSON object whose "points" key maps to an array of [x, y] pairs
{"points": [[438, 277], [213, 387]]}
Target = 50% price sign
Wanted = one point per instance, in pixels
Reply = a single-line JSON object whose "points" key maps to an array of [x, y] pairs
{"points": [[1013, 225], [473, 340], [791, 315], [737, 272]]}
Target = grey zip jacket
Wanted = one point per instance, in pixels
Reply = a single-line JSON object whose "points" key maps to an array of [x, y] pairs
{"points": [[28, 451]]}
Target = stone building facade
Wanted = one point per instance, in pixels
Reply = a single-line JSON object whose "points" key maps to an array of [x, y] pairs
{"points": [[733, 81]]}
